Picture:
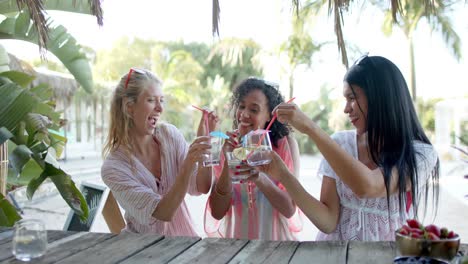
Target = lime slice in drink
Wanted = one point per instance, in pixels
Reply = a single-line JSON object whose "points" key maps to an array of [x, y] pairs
{"points": [[240, 153]]}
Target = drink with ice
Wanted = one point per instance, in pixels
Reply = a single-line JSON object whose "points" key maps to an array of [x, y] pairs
{"points": [[29, 240], [259, 144], [28, 247]]}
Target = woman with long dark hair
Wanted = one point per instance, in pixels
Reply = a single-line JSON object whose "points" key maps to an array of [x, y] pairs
{"points": [[374, 176]]}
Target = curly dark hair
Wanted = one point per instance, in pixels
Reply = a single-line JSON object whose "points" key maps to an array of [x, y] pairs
{"points": [[274, 97]]}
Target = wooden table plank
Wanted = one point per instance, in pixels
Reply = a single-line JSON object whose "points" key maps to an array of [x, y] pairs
{"points": [[321, 252], [212, 251], [114, 249], [6, 236], [52, 235], [163, 251], [261, 251], [68, 246], [371, 252]]}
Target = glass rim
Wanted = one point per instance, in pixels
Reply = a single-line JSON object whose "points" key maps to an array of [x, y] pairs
{"points": [[30, 220]]}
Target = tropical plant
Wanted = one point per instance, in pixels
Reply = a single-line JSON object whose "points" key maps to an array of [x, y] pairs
{"points": [[337, 8], [27, 115], [33, 25], [27, 121], [300, 47], [412, 14]]}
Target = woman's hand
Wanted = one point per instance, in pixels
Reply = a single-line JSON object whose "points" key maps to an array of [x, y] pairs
{"points": [[276, 169], [213, 121], [199, 147], [232, 142], [290, 113]]}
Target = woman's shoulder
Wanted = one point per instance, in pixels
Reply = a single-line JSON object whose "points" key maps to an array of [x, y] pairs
{"points": [[425, 149], [116, 159], [344, 136], [166, 130]]}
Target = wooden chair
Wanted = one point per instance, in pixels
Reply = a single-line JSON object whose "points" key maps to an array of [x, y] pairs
{"points": [[112, 215]]}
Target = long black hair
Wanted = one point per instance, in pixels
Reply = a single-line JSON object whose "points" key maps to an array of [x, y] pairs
{"points": [[392, 125], [274, 98]]}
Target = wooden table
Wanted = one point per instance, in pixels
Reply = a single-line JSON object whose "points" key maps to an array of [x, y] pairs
{"points": [[84, 247]]}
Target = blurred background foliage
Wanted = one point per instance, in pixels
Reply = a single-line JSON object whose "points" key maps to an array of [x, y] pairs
{"points": [[204, 75]]}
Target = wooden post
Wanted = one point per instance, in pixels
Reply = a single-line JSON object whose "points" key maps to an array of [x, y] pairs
{"points": [[3, 167], [112, 215]]}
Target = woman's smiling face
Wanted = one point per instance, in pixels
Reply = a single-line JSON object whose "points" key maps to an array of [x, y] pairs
{"points": [[356, 107], [252, 112], [147, 110]]}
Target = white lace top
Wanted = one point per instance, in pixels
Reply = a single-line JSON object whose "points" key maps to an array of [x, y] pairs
{"points": [[367, 219]]}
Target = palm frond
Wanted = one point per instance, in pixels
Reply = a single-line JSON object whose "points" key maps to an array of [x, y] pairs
{"points": [[443, 24], [215, 21], [396, 8], [337, 6], [36, 12], [296, 7], [96, 10]]}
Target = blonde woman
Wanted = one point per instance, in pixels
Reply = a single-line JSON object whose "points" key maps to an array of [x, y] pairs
{"points": [[148, 165]]}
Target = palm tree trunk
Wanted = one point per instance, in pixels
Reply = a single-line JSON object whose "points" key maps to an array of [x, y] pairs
{"points": [[291, 85], [412, 69]]}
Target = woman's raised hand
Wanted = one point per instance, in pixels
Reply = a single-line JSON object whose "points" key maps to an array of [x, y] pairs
{"points": [[212, 121], [289, 113], [276, 169], [232, 142], [200, 146]]}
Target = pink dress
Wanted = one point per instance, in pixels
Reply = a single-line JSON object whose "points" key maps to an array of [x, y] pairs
{"points": [[256, 219], [370, 219], [138, 191]]}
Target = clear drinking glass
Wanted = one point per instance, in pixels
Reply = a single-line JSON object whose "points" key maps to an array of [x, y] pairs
{"points": [[213, 158], [29, 239], [259, 145], [233, 163]]}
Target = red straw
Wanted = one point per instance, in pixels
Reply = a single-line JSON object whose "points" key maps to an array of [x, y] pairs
{"points": [[205, 118], [271, 122]]}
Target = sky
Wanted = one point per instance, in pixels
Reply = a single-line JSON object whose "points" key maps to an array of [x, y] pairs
{"points": [[267, 23]]}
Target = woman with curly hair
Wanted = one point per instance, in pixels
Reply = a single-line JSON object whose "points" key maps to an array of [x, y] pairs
{"points": [[259, 207]]}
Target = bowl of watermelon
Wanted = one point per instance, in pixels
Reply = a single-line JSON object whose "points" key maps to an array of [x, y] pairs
{"points": [[415, 239]]}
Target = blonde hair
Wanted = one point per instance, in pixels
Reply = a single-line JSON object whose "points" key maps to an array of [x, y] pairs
{"points": [[126, 93]]}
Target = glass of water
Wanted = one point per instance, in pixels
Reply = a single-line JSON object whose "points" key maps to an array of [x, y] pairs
{"points": [[29, 239], [238, 168], [259, 145], [212, 159]]}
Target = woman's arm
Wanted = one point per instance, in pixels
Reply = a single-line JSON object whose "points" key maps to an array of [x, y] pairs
{"points": [[221, 194], [204, 174], [364, 182], [324, 213], [281, 199], [173, 198]]}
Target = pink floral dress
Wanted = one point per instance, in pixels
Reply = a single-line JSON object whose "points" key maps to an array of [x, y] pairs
{"points": [[251, 216]]}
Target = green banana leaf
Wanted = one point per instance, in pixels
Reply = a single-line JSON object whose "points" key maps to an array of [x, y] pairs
{"points": [[30, 171], [15, 104], [75, 6], [20, 78], [33, 148], [60, 43], [8, 214], [4, 135], [65, 186], [19, 157]]}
